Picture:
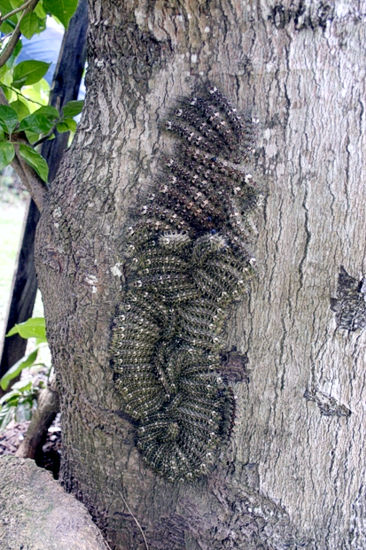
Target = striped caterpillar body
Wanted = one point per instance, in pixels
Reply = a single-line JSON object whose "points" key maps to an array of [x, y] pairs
{"points": [[187, 262]]}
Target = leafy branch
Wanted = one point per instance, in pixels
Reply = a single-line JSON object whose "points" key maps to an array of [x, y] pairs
{"points": [[13, 12], [32, 181], [27, 8], [20, 398], [26, 133], [22, 126]]}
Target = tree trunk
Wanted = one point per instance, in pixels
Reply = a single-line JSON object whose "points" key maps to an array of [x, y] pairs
{"points": [[292, 474]]}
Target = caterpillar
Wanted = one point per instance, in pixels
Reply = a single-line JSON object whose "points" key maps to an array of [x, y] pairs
{"points": [[186, 263]]}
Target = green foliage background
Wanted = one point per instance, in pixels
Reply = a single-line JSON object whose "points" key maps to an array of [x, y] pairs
{"points": [[26, 120]]}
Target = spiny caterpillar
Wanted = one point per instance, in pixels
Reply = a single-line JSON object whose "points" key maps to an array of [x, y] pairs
{"points": [[186, 262]]}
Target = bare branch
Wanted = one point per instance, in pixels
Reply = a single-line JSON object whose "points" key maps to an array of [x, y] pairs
{"points": [[16, 33]]}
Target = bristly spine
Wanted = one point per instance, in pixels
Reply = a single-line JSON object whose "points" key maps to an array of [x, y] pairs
{"points": [[186, 263]]}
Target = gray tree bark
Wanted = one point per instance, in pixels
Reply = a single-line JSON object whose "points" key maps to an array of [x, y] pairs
{"points": [[293, 473]]}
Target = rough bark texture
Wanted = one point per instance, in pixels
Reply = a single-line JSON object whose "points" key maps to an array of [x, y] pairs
{"points": [[37, 514], [293, 475]]}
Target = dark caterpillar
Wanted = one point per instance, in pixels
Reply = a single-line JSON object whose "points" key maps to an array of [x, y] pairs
{"points": [[187, 262]]}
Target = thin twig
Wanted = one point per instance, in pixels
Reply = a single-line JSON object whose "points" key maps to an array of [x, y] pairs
{"points": [[11, 13], [136, 520], [16, 33], [22, 95]]}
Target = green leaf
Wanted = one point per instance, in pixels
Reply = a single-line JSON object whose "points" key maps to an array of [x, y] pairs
{"points": [[5, 7], [21, 386], [32, 137], [7, 27], [6, 153], [17, 368], [13, 400], [62, 127], [66, 125], [6, 78], [62, 9], [16, 3], [3, 70], [20, 108], [31, 24], [29, 72], [39, 92], [8, 93], [10, 62], [35, 327], [49, 111], [38, 10], [41, 121], [35, 160], [72, 108], [10, 398], [8, 118]]}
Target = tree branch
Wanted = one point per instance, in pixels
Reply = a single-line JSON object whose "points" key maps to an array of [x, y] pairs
{"points": [[13, 12], [48, 407], [31, 181], [16, 33]]}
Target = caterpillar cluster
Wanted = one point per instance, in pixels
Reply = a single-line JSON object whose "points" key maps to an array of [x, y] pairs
{"points": [[187, 262]]}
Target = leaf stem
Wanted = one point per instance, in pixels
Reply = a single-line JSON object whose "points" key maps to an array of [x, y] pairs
{"points": [[22, 95]]}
